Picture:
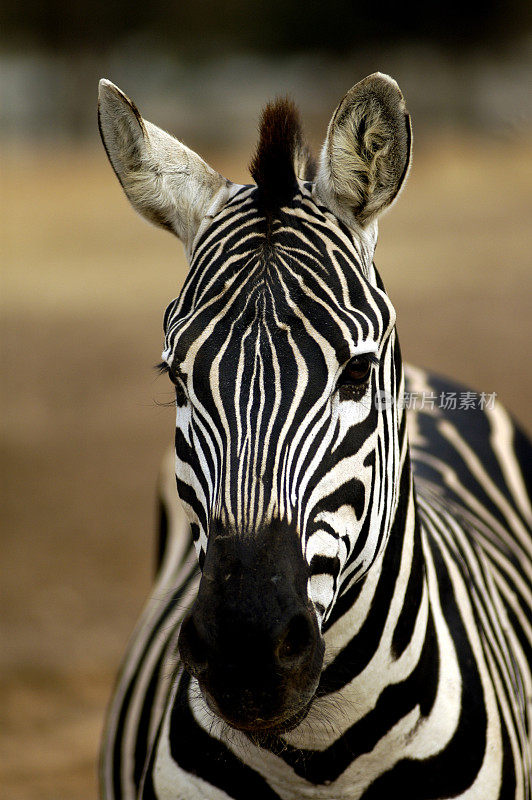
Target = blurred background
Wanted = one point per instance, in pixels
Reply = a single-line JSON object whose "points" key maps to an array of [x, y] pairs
{"points": [[85, 283]]}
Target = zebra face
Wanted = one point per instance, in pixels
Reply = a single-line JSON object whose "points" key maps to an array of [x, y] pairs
{"points": [[278, 346]]}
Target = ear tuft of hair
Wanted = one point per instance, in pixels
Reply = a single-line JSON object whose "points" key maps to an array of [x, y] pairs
{"points": [[281, 156]]}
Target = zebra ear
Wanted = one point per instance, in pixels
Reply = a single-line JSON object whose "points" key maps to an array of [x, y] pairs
{"points": [[165, 181], [365, 157]]}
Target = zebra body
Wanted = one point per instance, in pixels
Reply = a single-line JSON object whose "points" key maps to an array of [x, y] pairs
{"points": [[401, 644]]}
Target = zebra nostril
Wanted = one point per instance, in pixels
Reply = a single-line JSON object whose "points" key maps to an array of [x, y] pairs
{"points": [[297, 640], [191, 647]]}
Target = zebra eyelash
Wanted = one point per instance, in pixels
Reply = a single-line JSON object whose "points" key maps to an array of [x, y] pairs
{"points": [[373, 359], [163, 368], [180, 393]]}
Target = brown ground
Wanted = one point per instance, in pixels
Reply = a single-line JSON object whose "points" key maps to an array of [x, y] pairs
{"points": [[83, 296]]}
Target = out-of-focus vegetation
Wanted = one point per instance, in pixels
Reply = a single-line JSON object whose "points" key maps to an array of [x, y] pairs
{"points": [[274, 26], [205, 68]]}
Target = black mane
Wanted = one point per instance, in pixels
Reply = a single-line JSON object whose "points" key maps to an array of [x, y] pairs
{"points": [[281, 156]]}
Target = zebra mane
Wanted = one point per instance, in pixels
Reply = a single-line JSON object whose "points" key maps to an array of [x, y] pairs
{"points": [[281, 156]]}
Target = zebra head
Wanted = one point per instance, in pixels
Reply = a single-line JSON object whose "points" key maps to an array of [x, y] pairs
{"points": [[282, 350]]}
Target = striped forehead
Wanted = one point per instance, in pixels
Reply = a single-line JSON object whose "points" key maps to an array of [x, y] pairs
{"points": [[299, 275]]}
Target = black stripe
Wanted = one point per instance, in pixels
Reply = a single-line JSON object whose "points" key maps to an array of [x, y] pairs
{"points": [[406, 621], [201, 754]]}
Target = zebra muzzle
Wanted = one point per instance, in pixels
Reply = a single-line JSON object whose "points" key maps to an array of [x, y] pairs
{"points": [[252, 638]]}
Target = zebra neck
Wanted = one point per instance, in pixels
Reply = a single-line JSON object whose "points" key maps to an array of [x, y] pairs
{"points": [[381, 637]]}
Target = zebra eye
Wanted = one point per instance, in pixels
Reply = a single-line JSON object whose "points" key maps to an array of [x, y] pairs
{"points": [[180, 394], [356, 372]]}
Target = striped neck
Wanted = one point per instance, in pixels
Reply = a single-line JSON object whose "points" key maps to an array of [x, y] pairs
{"points": [[377, 634]]}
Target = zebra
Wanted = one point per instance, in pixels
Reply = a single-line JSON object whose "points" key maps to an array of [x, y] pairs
{"points": [[342, 606]]}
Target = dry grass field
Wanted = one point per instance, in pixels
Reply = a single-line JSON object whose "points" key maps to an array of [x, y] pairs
{"points": [[84, 287]]}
